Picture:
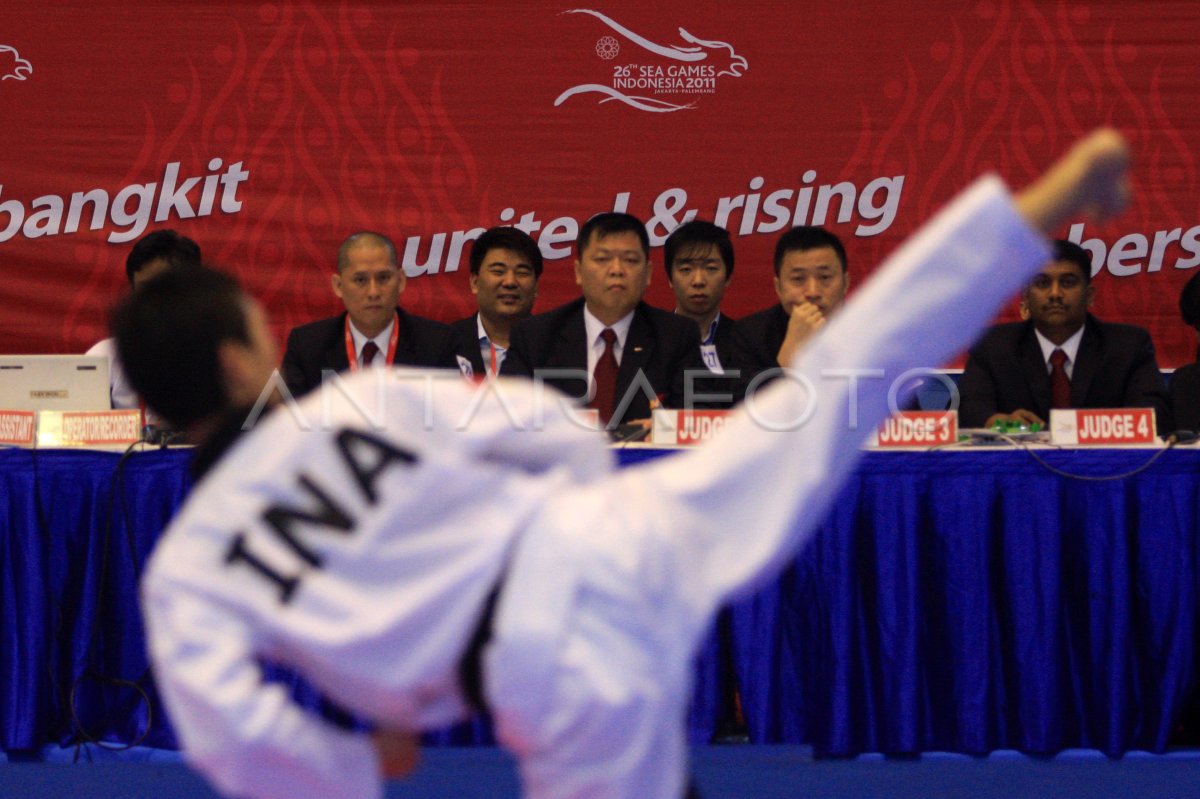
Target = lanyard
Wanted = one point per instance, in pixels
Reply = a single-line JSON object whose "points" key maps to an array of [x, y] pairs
{"points": [[352, 356]]}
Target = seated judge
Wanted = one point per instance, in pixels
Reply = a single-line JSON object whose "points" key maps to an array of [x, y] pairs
{"points": [[151, 255], [1185, 383], [698, 259], [506, 265], [374, 330], [811, 280], [608, 347], [1061, 356]]}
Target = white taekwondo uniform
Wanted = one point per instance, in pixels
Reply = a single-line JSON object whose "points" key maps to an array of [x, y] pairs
{"points": [[362, 557]]}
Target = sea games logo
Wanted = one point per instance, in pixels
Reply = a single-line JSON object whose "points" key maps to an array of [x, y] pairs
{"points": [[657, 77], [12, 66]]}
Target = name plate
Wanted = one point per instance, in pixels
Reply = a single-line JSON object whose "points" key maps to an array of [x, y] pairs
{"points": [[89, 428], [686, 427], [918, 429], [1102, 427], [17, 427]]}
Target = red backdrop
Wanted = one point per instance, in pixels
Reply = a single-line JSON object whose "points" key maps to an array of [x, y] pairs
{"points": [[292, 124]]}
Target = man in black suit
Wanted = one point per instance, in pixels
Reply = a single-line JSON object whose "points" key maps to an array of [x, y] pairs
{"points": [[1011, 374], [506, 265], [698, 259], [1185, 383], [373, 330], [811, 279], [649, 352]]}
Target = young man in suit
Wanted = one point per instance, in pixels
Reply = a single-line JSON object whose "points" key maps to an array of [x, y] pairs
{"points": [[374, 330], [506, 265], [811, 279], [698, 260], [1060, 356], [609, 346]]}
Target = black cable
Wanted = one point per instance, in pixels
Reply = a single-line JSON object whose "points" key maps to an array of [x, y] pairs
{"points": [[90, 671], [56, 614], [1099, 478]]}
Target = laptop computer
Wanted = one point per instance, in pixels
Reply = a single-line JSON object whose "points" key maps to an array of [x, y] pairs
{"points": [[54, 383]]}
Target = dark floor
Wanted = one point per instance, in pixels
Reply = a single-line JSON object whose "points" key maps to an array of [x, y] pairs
{"points": [[732, 772]]}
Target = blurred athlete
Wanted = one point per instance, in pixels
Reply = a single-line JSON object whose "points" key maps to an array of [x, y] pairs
{"points": [[417, 546]]}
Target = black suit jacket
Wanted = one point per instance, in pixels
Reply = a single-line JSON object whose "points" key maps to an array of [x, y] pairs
{"points": [[755, 343], [1114, 368], [1185, 397], [467, 331], [321, 345], [661, 345]]}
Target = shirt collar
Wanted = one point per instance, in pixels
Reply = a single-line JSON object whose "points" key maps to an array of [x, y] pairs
{"points": [[594, 327], [1070, 346], [712, 327], [382, 340]]}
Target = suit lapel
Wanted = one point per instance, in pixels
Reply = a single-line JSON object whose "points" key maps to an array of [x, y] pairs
{"points": [[639, 346], [573, 347], [1087, 363], [406, 352], [1033, 369], [569, 351], [723, 339], [335, 355], [468, 333]]}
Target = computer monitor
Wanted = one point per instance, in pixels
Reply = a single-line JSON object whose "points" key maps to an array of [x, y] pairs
{"points": [[54, 383]]}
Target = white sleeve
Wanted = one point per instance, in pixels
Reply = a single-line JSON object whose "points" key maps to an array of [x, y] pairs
{"points": [[248, 737], [525, 423], [753, 495], [120, 392]]}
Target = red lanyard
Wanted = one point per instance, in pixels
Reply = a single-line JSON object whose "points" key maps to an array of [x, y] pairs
{"points": [[352, 355]]}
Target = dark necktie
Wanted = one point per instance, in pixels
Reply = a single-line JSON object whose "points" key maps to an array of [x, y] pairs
{"points": [[605, 378], [369, 351], [1060, 384]]}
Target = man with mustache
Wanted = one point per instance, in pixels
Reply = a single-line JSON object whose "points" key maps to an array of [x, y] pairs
{"points": [[374, 330], [1060, 356]]}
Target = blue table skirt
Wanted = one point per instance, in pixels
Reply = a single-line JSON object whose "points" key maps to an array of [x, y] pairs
{"points": [[960, 601]]}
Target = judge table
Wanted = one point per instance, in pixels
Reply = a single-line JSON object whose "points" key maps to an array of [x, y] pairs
{"points": [[963, 600]]}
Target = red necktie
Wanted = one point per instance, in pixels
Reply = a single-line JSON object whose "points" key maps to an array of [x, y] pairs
{"points": [[1060, 384], [369, 351], [605, 378]]}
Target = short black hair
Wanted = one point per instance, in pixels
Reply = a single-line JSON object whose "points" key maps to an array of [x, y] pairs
{"points": [[1189, 301], [606, 224], [1072, 253], [692, 236], [808, 237], [505, 238], [169, 332], [178, 251]]}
